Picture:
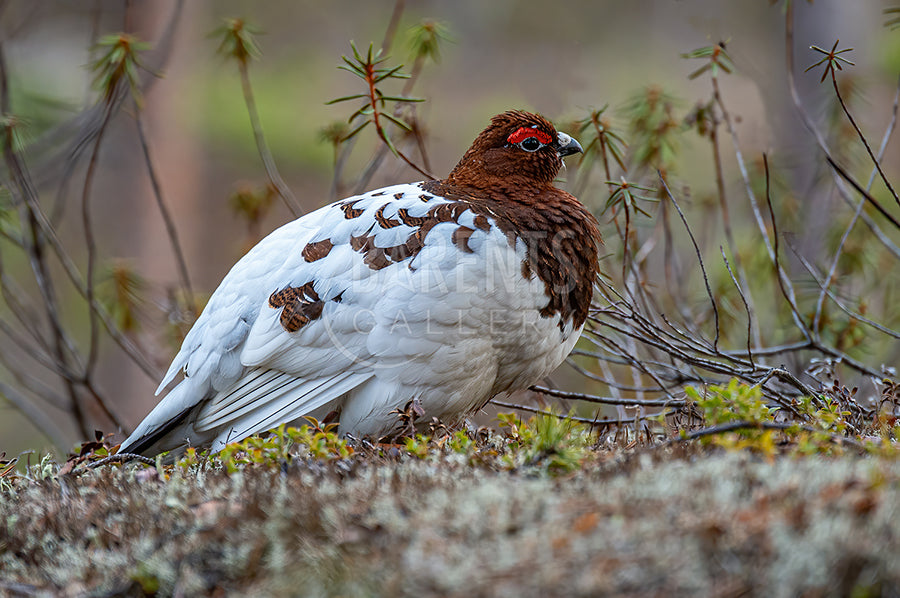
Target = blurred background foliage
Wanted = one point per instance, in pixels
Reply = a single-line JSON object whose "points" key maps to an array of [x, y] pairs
{"points": [[567, 60]]}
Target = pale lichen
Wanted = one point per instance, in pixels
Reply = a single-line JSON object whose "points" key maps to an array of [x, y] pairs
{"points": [[708, 523]]}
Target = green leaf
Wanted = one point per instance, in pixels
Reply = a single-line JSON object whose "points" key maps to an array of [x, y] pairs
{"points": [[403, 125], [356, 130], [345, 98]]}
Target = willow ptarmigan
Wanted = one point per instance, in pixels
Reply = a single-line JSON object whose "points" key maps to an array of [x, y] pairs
{"points": [[449, 292]]}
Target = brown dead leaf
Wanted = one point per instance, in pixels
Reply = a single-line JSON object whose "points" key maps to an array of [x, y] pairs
{"points": [[585, 523]]}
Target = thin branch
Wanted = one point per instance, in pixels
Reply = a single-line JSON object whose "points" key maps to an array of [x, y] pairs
{"points": [[576, 396], [171, 231], [777, 349], [268, 161], [90, 241], [823, 284], [875, 160], [687, 227], [31, 384], [41, 354], [779, 273], [38, 417], [34, 250], [379, 127], [49, 235], [820, 141], [837, 254], [391, 31], [574, 418], [859, 189], [122, 458], [746, 305], [726, 218]]}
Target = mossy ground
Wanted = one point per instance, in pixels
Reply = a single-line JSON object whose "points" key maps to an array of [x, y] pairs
{"points": [[685, 520]]}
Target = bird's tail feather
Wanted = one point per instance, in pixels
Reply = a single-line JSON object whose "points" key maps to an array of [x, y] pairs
{"points": [[168, 426], [279, 399], [261, 399]]}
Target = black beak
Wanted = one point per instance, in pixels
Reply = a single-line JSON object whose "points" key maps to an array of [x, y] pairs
{"points": [[567, 146]]}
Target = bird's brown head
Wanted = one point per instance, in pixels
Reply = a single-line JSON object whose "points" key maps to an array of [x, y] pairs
{"points": [[518, 148]]}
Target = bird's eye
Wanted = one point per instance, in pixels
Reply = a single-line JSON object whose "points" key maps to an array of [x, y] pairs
{"points": [[531, 144]]}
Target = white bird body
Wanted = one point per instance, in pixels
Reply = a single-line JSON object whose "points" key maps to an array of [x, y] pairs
{"points": [[359, 307]]}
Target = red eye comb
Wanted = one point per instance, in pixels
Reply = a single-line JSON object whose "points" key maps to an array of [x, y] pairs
{"points": [[526, 132]]}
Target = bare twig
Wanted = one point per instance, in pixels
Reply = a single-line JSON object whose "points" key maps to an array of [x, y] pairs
{"points": [[712, 300], [779, 272], [122, 458], [391, 30], [35, 414], [90, 242], [597, 421], [34, 249], [875, 160], [726, 218], [746, 305], [262, 147], [859, 189], [562, 394], [823, 284], [171, 231], [840, 248]]}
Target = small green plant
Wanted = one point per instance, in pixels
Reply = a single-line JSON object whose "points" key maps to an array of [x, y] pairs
{"points": [[118, 65], [654, 129], [121, 289], [238, 40], [190, 460], [374, 109], [282, 444], [732, 402], [321, 440], [600, 139], [461, 443], [418, 446], [737, 416], [716, 59], [555, 445]]}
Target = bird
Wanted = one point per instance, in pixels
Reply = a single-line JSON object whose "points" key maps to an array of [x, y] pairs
{"points": [[441, 294]]}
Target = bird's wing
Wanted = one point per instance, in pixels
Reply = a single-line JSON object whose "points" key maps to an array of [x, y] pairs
{"points": [[300, 320]]}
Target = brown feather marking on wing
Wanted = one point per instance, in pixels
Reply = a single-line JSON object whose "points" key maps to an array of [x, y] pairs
{"points": [[350, 211], [300, 306], [460, 238], [408, 220], [383, 221], [381, 257], [316, 250]]}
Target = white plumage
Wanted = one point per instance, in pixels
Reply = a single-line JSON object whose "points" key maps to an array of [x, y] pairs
{"points": [[368, 303], [446, 327]]}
